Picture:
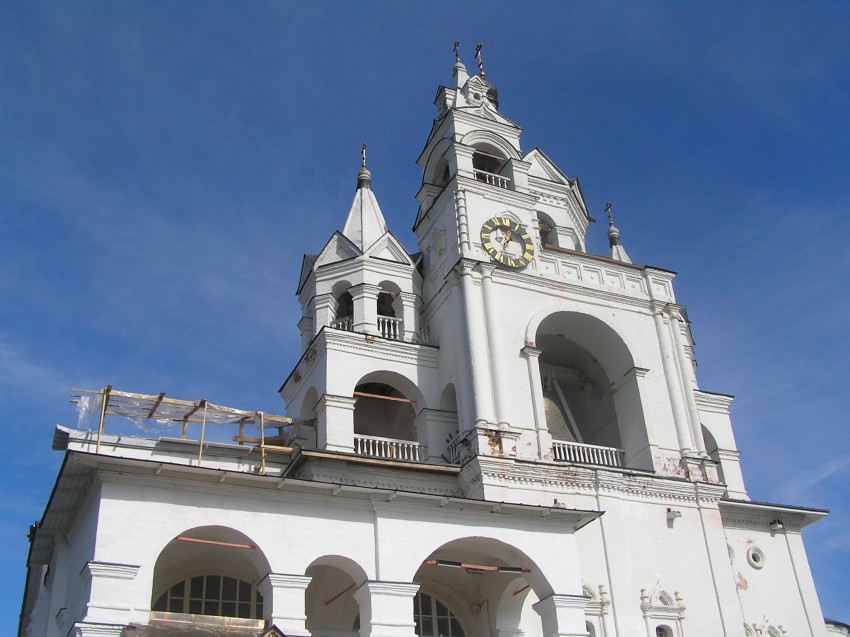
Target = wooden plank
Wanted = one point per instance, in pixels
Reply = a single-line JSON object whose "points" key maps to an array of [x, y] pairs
{"points": [[364, 394], [155, 405]]}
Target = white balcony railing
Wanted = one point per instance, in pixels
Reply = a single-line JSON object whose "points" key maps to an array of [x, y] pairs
{"points": [[390, 327], [587, 454], [492, 178], [388, 448], [345, 323]]}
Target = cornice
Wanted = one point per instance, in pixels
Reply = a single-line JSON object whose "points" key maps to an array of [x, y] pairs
{"points": [[590, 480], [110, 570], [377, 347], [717, 403]]}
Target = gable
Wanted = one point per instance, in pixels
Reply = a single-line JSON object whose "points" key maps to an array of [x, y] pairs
{"points": [[543, 167], [339, 248], [388, 248]]}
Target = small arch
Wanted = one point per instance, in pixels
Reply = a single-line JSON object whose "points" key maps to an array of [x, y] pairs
{"points": [[713, 451], [329, 599], [490, 143], [663, 630], [448, 399], [307, 412]]}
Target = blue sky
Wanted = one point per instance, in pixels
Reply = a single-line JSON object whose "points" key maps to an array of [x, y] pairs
{"points": [[165, 165]]}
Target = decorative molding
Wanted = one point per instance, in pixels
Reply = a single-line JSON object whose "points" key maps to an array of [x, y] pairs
{"points": [[85, 629], [109, 570]]}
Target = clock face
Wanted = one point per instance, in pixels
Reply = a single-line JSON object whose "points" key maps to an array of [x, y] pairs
{"points": [[507, 242]]}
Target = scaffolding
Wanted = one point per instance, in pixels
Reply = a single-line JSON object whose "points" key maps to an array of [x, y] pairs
{"points": [[111, 402]]}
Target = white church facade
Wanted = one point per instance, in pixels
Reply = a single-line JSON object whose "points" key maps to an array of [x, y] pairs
{"points": [[500, 435]]}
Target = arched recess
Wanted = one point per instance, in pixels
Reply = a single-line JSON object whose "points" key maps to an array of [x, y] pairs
{"points": [[330, 604], [494, 588], [590, 391], [386, 406], [210, 570], [713, 451], [437, 170], [547, 228]]}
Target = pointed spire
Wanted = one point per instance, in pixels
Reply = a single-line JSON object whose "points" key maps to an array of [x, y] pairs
{"points": [[617, 251], [365, 223]]}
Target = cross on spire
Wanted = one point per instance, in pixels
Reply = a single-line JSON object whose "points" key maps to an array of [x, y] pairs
{"points": [[363, 157], [480, 61], [608, 211], [457, 52]]}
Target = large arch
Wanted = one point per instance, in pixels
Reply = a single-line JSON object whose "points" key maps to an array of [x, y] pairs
{"points": [[589, 384], [210, 570]]}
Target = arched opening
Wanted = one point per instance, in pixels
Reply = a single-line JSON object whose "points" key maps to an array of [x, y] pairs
{"points": [[591, 631], [488, 165], [576, 393], [548, 235], [663, 631], [590, 394], [344, 313], [210, 570], [382, 410], [330, 604], [390, 310], [487, 586]]}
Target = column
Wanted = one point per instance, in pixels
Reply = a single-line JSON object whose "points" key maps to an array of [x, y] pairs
{"points": [[680, 417], [500, 391], [365, 297], [688, 378], [462, 220], [562, 615], [463, 387], [544, 438], [479, 356], [284, 602], [386, 609], [335, 423], [409, 316]]}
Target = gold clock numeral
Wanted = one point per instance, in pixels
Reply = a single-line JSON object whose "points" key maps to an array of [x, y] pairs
{"points": [[506, 222], [527, 256], [511, 262], [488, 246]]}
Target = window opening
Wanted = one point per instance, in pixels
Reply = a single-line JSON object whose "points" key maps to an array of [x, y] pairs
{"points": [[487, 163], [385, 304], [434, 619], [216, 595]]}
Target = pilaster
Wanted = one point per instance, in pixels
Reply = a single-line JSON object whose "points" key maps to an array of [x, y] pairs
{"points": [[680, 417], [284, 602], [544, 438], [365, 298], [111, 594], [324, 311], [410, 316], [688, 378], [335, 423], [478, 354], [386, 609], [497, 379], [562, 615]]}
